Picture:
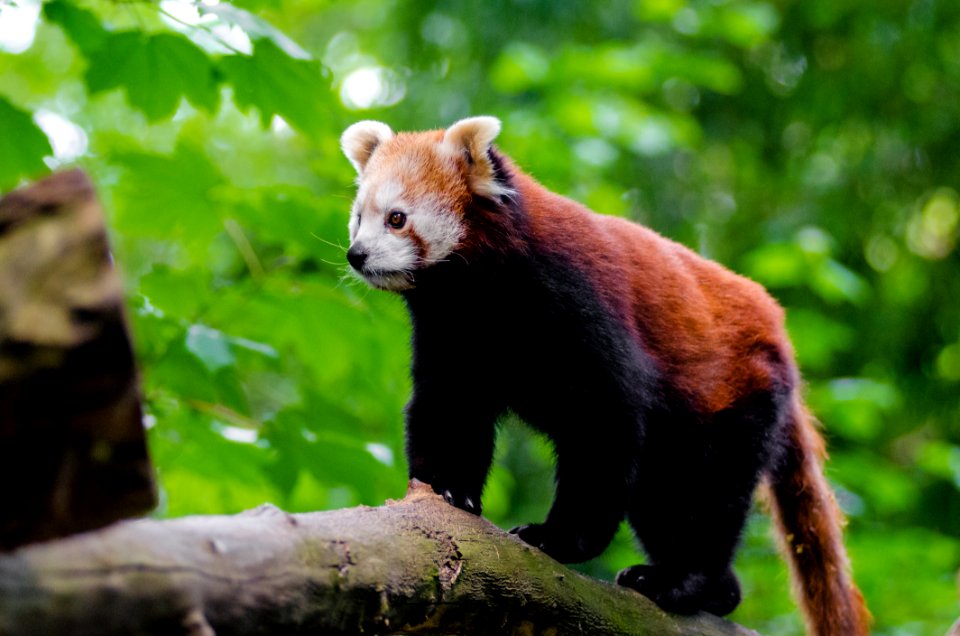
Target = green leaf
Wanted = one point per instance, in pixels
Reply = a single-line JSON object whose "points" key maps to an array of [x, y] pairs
{"points": [[169, 197], [210, 346], [276, 84], [818, 338], [292, 219], [855, 407], [22, 146], [748, 24], [256, 27], [174, 292], [80, 25], [205, 471], [519, 67], [155, 70], [182, 374], [776, 265], [834, 282], [332, 458]]}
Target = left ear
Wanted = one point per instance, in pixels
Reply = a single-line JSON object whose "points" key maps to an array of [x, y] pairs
{"points": [[471, 138], [361, 139]]}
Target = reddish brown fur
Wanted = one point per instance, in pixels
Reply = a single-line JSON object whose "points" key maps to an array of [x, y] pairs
{"points": [[428, 174], [810, 523], [661, 284], [717, 336]]}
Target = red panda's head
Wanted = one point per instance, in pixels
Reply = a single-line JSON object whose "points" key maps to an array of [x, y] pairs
{"points": [[413, 192]]}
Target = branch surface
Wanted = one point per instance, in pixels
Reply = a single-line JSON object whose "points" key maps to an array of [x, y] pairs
{"points": [[417, 566]]}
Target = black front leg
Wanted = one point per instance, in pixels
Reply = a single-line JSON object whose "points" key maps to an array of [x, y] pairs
{"points": [[450, 442]]}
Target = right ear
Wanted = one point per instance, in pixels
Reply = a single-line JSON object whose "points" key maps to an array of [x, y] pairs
{"points": [[361, 139], [472, 139]]}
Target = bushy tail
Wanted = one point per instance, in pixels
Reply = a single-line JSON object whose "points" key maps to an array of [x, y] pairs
{"points": [[811, 524]]}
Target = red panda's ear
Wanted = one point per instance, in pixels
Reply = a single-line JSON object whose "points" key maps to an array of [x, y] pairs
{"points": [[361, 139], [471, 138]]}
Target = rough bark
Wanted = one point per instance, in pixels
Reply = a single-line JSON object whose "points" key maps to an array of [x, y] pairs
{"points": [[417, 566], [72, 450]]}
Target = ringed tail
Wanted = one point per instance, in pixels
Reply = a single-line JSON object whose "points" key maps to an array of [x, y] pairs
{"points": [[811, 525]]}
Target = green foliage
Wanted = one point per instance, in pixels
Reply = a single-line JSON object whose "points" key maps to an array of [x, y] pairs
{"points": [[155, 70], [278, 85], [147, 206], [80, 25], [22, 145], [810, 145]]}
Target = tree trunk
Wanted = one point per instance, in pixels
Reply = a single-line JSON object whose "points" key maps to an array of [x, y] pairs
{"points": [[417, 566]]}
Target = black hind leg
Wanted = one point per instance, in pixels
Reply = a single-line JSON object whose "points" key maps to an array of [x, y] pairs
{"points": [[690, 538], [691, 507]]}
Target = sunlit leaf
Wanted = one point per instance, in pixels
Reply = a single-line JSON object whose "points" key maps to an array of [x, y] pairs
{"points": [[207, 472], [332, 458], [175, 293], [256, 27], [778, 265], [210, 346], [155, 70], [22, 146], [81, 25], [746, 23], [835, 282], [276, 84]]}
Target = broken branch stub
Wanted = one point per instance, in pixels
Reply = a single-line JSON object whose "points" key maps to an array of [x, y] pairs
{"points": [[72, 448]]}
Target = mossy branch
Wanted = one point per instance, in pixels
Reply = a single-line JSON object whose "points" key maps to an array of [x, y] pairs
{"points": [[416, 566]]}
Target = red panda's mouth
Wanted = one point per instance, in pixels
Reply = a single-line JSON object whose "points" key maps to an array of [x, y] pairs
{"points": [[389, 281]]}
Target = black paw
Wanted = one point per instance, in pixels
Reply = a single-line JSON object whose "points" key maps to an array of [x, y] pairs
{"points": [[679, 595], [722, 594], [684, 593], [460, 498], [561, 546]]}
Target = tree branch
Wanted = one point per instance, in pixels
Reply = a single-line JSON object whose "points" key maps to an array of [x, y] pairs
{"points": [[415, 566]]}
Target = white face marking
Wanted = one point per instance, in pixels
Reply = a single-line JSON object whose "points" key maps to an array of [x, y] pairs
{"points": [[388, 194], [431, 233], [439, 229]]}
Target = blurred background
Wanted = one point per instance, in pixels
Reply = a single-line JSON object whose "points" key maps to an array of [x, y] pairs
{"points": [[812, 145]]}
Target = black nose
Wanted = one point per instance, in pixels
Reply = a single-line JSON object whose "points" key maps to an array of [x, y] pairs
{"points": [[356, 257]]}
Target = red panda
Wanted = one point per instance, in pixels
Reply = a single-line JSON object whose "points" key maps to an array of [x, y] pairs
{"points": [[666, 383]]}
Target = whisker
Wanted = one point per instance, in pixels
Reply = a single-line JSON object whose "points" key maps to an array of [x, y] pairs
{"points": [[330, 243]]}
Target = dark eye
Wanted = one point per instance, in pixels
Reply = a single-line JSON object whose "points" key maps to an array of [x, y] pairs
{"points": [[396, 219]]}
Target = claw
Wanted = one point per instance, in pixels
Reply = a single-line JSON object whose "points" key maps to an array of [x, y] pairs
{"points": [[469, 505], [448, 497]]}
